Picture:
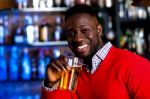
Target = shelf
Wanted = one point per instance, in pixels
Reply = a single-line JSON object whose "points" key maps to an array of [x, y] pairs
{"points": [[53, 9], [51, 43], [39, 44], [34, 10]]}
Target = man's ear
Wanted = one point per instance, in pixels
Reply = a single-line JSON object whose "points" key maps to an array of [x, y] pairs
{"points": [[99, 29]]}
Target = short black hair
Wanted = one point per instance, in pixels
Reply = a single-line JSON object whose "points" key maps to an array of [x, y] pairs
{"points": [[81, 8]]}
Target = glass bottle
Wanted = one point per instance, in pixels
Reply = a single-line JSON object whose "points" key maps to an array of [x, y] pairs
{"points": [[26, 65], [110, 34], [14, 64], [1, 31], [3, 65], [41, 68]]}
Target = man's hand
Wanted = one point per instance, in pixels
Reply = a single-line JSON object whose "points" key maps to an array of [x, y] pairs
{"points": [[54, 70]]}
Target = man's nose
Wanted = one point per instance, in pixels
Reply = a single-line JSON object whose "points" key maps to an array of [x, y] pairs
{"points": [[78, 36]]}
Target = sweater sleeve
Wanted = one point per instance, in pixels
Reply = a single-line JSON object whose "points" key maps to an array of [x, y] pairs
{"points": [[139, 80], [58, 94]]}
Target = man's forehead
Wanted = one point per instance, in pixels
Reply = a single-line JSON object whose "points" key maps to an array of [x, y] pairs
{"points": [[81, 18]]}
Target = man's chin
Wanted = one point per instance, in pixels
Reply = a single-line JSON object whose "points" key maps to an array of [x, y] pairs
{"points": [[81, 55]]}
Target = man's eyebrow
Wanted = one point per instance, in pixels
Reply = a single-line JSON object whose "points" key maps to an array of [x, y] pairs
{"points": [[83, 25], [69, 28]]}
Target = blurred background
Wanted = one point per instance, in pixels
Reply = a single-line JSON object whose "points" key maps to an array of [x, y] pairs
{"points": [[31, 35]]}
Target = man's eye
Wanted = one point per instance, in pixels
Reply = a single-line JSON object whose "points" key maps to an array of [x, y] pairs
{"points": [[70, 34], [84, 30]]}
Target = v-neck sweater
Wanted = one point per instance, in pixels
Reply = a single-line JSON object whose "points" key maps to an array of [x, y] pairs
{"points": [[121, 75]]}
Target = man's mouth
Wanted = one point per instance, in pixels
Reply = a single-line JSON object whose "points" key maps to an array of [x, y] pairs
{"points": [[82, 48]]}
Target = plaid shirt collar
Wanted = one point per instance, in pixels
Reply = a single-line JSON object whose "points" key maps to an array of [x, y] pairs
{"points": [[99, 56]]}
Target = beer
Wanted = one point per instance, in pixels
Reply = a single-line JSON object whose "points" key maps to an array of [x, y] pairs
{"points": [[69, 78]]}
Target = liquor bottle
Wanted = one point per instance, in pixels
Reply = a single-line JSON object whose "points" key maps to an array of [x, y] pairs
{"points": [[58, 29], [57, 33], [131, 10], [34, 61], [108, 3], [68, 3], [141, 13], [44, 32], [56, 52], [101, 18], [140, 42], [35, 3], [1, 31], [110, 34], [58, 3], [36, 28], [88, 2], [101, 3], [43, 4], [130, 40], [14, 64], [25, 65], [50, 3], [19, 33], [121, 12], [29, 29], [122, 41], [25, 3], [148, 10], [3, 65], [47, 57], [20, 3], [7, 36], [72, 2], [41, 68], [18, 37]]}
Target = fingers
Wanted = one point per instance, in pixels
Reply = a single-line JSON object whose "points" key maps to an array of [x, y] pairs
{"points": [[53, 65], [59, 64], [55, 69], [52, 76]]}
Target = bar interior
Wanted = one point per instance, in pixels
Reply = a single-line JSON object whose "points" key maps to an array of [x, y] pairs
{"points": [[32, 34]]}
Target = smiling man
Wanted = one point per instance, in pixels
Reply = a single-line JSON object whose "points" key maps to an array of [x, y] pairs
{"points": [[111, 73]]}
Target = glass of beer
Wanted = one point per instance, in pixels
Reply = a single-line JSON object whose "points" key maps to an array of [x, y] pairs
{"points": [[69, 78]]}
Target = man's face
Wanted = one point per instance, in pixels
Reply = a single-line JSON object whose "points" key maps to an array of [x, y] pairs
{"points": [[83, 35]]}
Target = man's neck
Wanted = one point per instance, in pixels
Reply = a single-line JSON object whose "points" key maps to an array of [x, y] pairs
{"points": [[88, 62]]}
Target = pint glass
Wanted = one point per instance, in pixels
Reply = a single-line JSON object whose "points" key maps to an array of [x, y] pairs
{"points": [[69, 78]]}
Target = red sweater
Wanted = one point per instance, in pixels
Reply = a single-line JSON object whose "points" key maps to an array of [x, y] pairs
{"points": [[121, 75]]}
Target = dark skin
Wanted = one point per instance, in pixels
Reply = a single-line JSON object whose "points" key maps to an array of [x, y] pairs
{"points": [[83, 35]]}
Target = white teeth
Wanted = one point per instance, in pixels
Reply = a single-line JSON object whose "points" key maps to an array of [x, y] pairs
{"points": [[82, 46]]}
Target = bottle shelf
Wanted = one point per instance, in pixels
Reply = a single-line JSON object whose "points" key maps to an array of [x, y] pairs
{"points": [[39, 44], [51, 43], [52, 9]]}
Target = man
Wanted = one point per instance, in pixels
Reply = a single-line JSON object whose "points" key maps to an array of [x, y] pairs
{"points": [[111, 73]]}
